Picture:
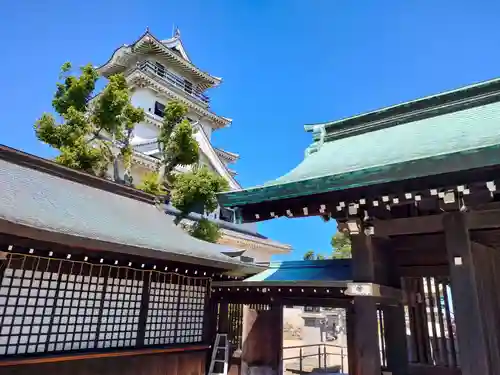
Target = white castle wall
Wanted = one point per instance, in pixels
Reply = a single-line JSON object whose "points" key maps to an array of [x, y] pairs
{"points": [[145, 98]]}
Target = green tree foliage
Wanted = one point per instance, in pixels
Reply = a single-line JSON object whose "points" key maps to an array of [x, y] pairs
{"points": [[341, 243], [192, 189], [83, 121], [151, 184], [205, 230], [311, 255], [189, 190], [176, 141]]}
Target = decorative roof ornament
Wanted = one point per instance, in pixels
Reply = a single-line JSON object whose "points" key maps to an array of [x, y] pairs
{"points": [[319, 133], [177, 33]]}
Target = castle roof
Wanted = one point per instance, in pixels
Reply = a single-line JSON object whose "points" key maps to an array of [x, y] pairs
{"points": [[171, 49]]}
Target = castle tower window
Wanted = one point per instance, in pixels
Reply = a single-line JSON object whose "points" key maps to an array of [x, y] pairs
{"points": [[188, 86], [159, 109], [160, 69]]}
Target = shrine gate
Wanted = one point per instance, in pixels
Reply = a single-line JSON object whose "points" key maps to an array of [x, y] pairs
{"points": [[415, 186]]}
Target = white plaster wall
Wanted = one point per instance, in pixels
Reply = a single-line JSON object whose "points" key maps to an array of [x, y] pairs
{"points": [[144, 131], [205, 162], [207, 128], [137, 171], [145, 98]]}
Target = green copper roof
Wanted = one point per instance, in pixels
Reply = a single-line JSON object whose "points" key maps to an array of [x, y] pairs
{"points": [[460, 135], [425, 102]]}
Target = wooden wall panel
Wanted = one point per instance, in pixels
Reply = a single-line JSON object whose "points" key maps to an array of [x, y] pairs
{"points": [[155, 364]]}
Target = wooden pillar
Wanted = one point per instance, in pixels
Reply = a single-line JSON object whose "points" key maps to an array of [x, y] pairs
{"points": [[366, 268], [351, 341], [277, 334], [223, 326], [210, 321], [395, 324], [472, 287], [262, 339], [249, 317]]}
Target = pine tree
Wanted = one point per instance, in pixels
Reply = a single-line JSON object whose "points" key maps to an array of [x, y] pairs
{"points": [[195, 188]]}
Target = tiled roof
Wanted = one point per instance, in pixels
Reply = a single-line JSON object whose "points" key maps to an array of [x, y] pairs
{"points": [[306, 272], [34, 199], [460, 135]]}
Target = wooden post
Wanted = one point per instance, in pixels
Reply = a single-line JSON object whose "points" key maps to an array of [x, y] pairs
{"points": [[143, 315], [351, 342], [249, 318], [472, 286], [210, 320], [277, 310], [262, 339], [395, 324], [366, 262], [223, 317]]}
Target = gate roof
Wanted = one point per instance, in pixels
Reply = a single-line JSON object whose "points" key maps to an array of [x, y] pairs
{"points": [[439, 135], [288, 281]]}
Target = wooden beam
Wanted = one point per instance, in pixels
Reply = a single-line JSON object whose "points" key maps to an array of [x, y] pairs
{"points": [[487, 219], [409, 225], [424, 271], [280, 284], [118, 353]]}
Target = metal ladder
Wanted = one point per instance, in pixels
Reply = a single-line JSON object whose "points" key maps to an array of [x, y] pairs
{"points": [[221, 343]]}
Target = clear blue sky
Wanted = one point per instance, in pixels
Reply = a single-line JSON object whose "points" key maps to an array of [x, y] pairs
{"points": [[284, 63]]}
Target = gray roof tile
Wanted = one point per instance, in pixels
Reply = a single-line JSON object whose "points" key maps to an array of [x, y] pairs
{"points": [[42, 201]]}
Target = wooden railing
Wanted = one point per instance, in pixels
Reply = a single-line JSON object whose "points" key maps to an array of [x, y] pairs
{"points": [[320, 354], [186, 86]]}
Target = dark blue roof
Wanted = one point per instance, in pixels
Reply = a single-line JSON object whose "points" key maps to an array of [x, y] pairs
{"points": [[306, 271]]}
